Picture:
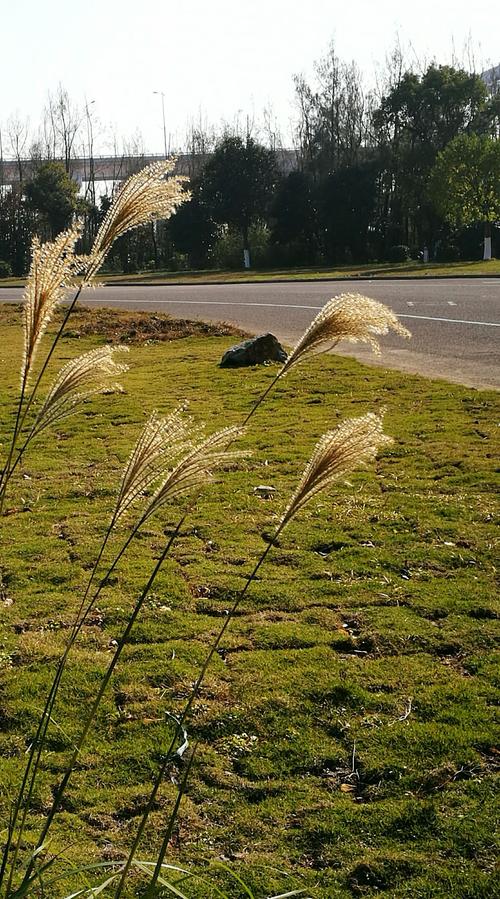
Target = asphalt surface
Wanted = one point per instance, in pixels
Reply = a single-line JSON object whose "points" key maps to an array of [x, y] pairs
{"points": [[455, 323]]}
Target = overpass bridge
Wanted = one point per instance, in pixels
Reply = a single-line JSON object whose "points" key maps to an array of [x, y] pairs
{"points": [[116, 168]]}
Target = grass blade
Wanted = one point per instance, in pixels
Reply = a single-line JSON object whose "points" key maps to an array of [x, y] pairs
{"points": [[169, 886]]}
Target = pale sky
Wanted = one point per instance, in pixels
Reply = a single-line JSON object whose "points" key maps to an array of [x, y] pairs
{"points": [[223, 57]]}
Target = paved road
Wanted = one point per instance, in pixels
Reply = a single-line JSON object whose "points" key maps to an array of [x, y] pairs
{"points": [[455, 323]]}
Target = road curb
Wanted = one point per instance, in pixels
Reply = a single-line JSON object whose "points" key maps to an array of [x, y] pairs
{"points": [[340, 279], [297, 280]]}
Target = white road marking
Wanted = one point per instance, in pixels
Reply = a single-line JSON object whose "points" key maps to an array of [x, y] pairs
{"points": [[216, 303], [428, 318], [453, 321]]}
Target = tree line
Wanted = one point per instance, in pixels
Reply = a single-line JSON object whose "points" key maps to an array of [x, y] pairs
{"points": [[408, 171]]}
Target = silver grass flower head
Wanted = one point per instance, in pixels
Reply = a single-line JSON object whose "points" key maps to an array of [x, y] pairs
{"points": [[144, 197], [197, 466], [78, 380], [52, 272], [161, 441], [349, 316], [354, 443]]}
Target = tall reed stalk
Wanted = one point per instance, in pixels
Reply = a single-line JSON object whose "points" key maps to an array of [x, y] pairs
{"points": [[55, 269], [353, 443], [142, 198], [146, 196], [194, 468]]}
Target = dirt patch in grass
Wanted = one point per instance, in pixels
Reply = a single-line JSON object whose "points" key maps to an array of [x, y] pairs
{"points": [[118, 326]]}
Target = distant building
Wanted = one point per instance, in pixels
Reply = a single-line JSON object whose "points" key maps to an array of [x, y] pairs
{"points": [[113, 169]]}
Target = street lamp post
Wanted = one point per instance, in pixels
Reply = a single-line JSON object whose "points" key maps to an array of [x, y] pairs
{"points": [[90, 139], [162, 95]]}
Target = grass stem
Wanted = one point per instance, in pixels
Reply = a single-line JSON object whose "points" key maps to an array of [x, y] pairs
{"points": [[93, 710], [22, 413], [168, 757]]}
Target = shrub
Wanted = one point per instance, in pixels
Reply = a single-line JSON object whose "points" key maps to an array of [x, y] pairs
{"points": [[447, 252], [228, 251], [399, 253], [5, 269]]}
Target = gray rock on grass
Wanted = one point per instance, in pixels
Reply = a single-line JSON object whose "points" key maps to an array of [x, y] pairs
{"points": [[264, 348]]}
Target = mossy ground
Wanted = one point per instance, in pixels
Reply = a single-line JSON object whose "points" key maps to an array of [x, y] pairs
{"points": [[346, 729]]}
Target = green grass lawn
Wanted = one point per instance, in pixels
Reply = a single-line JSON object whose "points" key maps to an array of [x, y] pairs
{"points": [[346, 730], [375, 270]]}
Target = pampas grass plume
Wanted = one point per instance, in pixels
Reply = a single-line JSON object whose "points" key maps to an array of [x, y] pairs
{"points": [[350, 316], [78, 380], [197, 466], [144, 197], [51, 275], [353, 443], [160, 442]]}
